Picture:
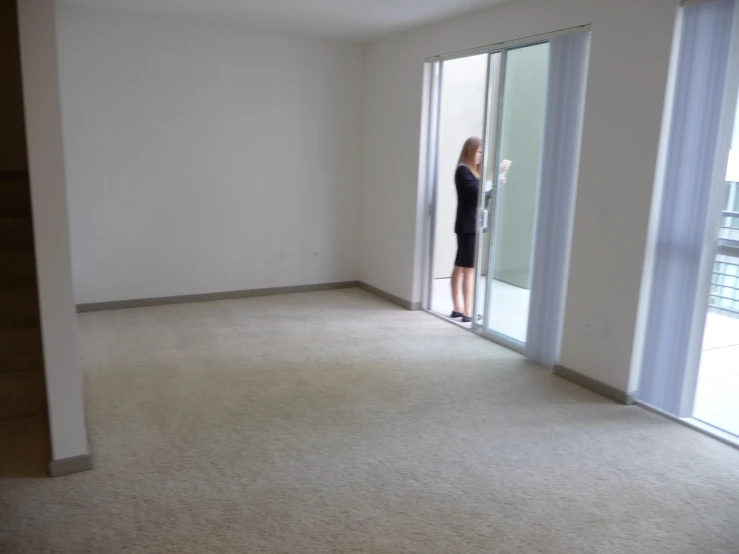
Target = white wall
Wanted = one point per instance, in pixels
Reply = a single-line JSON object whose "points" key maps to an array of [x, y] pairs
{"points": [[204, 157], [50, 227], [630, 53]]}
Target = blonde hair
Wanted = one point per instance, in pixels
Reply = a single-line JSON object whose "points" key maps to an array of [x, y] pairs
{"points": [[467, 156]]}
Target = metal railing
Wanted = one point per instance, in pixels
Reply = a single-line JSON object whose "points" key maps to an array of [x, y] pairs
{"points": [[729, 229], [725, 279]]}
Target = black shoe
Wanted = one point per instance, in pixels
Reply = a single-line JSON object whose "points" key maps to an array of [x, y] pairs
{"points": [[466, 319], [456, 315]]}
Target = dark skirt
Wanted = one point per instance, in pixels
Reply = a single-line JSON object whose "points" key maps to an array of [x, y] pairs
{"points": [[465, 250]]}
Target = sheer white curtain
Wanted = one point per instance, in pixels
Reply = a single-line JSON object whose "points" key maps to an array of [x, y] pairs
{"points": [[568, 62], [689, 177]]}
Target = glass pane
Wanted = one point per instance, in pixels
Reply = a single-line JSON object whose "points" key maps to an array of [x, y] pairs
{"points": [[515, 197]]}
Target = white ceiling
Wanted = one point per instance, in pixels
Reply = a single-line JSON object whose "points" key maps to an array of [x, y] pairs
{"points": [[361, 20]]}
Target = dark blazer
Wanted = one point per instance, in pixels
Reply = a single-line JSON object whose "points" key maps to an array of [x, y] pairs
{"points": [[468, 187]]}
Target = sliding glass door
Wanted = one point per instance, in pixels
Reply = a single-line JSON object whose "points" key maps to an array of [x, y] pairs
{"points": [[503, 97], [509, 212], [690, 359]]}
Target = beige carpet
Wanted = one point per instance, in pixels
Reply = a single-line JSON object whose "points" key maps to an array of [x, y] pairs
{"points": [[336, 423]]}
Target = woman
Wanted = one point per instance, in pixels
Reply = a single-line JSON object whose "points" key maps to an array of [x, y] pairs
{"points": [[467, 182]]}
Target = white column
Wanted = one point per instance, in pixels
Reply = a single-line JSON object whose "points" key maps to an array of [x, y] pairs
{"points": [[39, 61]]}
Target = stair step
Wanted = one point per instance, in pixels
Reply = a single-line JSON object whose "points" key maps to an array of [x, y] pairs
{"points": [[20, 349], [22, 394], [16, 234], [17, 269], [15, 197], [18, 307]]}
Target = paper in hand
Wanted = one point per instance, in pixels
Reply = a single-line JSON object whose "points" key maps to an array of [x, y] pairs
{"points": [[505, 165]]}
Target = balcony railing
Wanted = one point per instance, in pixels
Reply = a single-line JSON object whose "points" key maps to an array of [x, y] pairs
{"points": [[725, 279]]}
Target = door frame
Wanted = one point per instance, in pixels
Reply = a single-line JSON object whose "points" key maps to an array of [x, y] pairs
{"points": [[494, 84], [433, 75]]}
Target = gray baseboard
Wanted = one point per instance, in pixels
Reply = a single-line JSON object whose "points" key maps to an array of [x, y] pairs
{"points": [[407, 304], [68, 466], [626, 398], [209, 297]]}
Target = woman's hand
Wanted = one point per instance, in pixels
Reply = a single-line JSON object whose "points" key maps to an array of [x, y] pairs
{"points": [[505, 165]]}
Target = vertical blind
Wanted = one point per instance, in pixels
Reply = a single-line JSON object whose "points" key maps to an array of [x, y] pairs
{"points": [[568, 61], [685, 204]]}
